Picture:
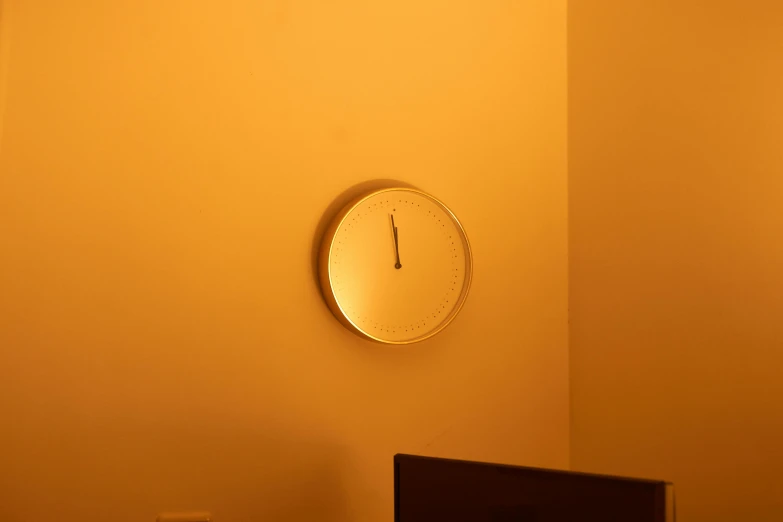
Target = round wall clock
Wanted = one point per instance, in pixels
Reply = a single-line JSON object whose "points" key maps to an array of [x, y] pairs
{"points": [[395, 266]]}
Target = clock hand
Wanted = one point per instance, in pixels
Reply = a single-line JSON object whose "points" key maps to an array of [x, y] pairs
{"points": [[397, 265]]}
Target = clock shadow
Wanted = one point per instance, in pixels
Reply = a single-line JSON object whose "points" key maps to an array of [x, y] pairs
{"points": [[335, 207]]}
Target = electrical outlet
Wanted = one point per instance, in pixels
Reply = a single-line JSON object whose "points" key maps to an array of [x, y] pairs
{"points": [[195, 516]]}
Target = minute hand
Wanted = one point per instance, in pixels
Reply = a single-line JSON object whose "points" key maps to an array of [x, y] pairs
{"points": [[397, 265]]}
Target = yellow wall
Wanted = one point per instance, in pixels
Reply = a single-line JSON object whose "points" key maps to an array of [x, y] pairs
{"points": [[676, 248], [164, 169]]}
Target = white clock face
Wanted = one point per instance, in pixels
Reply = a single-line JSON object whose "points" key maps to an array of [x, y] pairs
{"points": [[399, 285]]}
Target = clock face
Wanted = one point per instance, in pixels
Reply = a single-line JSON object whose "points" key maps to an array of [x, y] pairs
{"points": [[396, 266]]}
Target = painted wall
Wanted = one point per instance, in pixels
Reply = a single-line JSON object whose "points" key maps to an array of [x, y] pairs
{"points": [[165, 168], [676, 249]]}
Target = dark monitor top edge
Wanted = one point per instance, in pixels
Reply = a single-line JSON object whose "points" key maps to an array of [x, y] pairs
{"points": [[403, 456]]}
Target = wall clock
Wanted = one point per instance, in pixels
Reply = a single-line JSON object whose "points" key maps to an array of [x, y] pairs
{"points": [[395, 266]]}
